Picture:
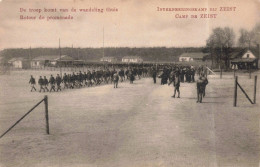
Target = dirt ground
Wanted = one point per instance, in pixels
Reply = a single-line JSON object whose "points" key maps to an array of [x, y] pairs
{"points": [[135, 125]]}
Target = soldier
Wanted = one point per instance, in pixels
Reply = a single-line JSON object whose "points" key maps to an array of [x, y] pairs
{"points": [[205, 82], [52, 82], [201, 86], [84, 79], [121, 74], [115, 79], [80, 78], [65, 80], [41, 82], [32, 82], [58, 82], [127, 73], [175, 78], [154, 74], [192, 74], [89, 77], [199, 89], [131, 77], [46, 83]]}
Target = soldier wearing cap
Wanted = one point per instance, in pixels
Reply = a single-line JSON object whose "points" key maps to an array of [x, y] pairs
{"points": [[201, 86], [175, 79], [32, 82], [52, 83], [41, 83], [58, 82], [46, 83], [115, 79]]}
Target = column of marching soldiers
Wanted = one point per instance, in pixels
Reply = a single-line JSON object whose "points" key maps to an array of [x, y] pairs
{"points": [[168, 73], [87, 79]]}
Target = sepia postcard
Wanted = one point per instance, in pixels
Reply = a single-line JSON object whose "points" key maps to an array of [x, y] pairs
{"points": [[129, 83]]}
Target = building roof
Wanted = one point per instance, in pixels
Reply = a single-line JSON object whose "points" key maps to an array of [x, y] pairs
{"points": [[53, 58], [195, 55], [17, 59], [131, 57], [236, 54]]}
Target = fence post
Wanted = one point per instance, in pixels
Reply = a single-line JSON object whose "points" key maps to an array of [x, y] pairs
{"points": [[255, 89], [46, 114], [235, 93]]}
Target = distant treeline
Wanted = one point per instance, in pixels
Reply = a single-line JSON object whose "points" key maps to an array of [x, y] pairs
{"points": [[95, 54]]}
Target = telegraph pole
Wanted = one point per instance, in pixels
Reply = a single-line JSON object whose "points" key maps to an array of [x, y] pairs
{"points": [[60, 58], [30, 58], [103, 49]]}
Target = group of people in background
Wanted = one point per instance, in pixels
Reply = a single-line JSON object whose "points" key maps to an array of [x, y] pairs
{"points": [[168, 73], [180, 74]]}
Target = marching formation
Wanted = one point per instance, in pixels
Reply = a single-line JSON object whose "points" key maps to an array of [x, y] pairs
{"points": [[87, 79], [168, 74]]}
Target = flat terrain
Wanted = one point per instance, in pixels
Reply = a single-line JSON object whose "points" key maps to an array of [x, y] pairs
{"points": [[135, 125]]}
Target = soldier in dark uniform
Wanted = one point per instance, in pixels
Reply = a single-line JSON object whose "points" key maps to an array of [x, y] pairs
{"points": [[127, 73], [72, 80], [192, 75], [41, 83], [205, 82], [115, 79], [80, 78], [121, 74], [58, 82], [52, 83], [199, 89], [182, 73], [89, 83], [46, 83], [201, 86], [32, 82], [85, 78], [93, 76], [65, 80], [175, 78], [131, 77], [154, 75]]}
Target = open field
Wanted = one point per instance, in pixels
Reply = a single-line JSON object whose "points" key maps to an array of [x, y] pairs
{"points": [[133, 126]]}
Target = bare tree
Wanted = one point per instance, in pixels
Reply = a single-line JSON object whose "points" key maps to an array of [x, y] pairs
{"points": [[220, 42], [246, 37]]}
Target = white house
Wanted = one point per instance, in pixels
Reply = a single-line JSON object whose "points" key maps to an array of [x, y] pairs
{"points": [[245, 59], [19, 62], [132, 59], [248, 55], [192, 56]]}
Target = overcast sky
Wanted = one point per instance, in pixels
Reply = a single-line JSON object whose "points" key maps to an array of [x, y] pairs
{"points": [[136, 24]]}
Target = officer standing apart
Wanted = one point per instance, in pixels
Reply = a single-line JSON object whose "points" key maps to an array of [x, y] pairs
{"points": [[175, 78], [115, 79], [201, 86], [154, 74]]}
